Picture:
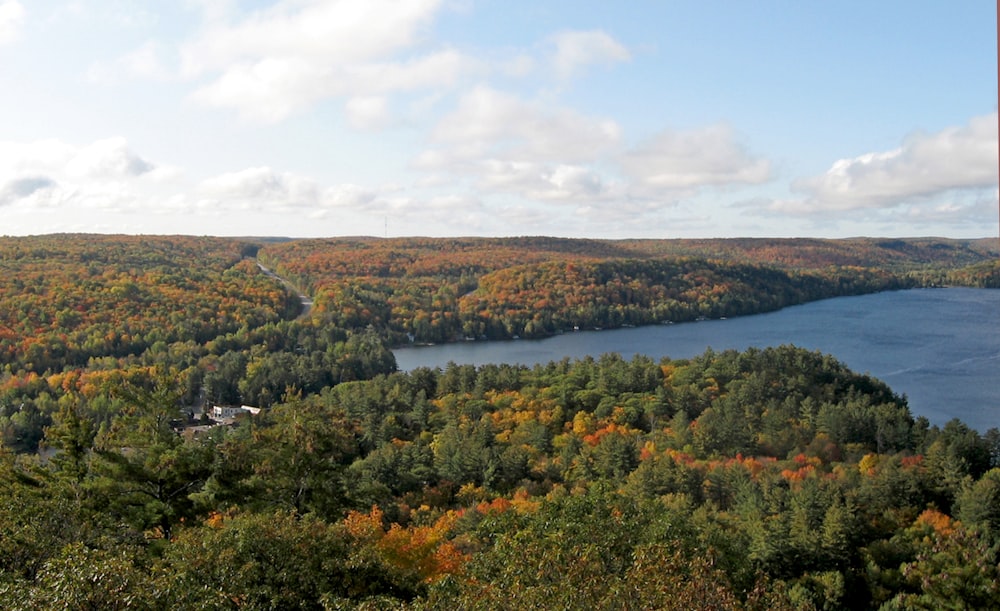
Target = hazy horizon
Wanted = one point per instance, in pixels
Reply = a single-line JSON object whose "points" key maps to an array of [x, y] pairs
{"points": [[265, 237]]}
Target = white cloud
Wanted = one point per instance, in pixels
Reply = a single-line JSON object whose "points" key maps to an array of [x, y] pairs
{"points": [[38, 157], [272, 63], [147, 61], [544, 182], [489, 122], [437, 69], [508, 144], [341, 31], [268, 90], [109, 158], [575, 51], [505, 144], [102, 159], [367, 112], [273, 88], [261, 188], [349, 196], [106, 175], [109, 177], [704, 157], [24, 188], [12, 16], [109, 196], [925, 167], [965, 213]]}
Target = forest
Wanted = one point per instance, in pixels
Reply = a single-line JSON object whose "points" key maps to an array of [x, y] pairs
{"points": [[768, 479], [438, 290]]}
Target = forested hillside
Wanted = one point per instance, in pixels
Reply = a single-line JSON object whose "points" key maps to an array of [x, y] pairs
{"points": [[67, 299], [767, 479], [980, 275], [897, 255], [434, 290], [770, 479], [84, 313]]}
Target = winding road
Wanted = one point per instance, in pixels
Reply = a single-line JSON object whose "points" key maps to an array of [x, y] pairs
{"points": [[307, 302]]}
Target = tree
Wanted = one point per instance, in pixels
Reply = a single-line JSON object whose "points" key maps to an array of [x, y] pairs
{"points": [[274, 560], [38, 517], [143, 470], [954, 568], [292, 457], [72, 435], [87, 579], [978, 505]]}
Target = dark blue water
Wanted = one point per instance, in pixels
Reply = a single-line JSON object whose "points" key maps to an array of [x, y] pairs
{"points": [[939, 347]]}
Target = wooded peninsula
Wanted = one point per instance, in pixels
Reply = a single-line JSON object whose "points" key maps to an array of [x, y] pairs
{"points": [[219, 423]]}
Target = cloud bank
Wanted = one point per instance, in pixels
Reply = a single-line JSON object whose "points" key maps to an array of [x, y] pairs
{"points": [[925, 168]]}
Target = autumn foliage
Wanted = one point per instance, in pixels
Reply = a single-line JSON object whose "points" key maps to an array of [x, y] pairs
{"points": [[772, 478]]}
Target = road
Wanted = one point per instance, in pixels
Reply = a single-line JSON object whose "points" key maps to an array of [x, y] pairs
{"points": [[307, 302]]}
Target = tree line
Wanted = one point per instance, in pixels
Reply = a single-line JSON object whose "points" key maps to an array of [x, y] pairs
{"points": [[437, 290]]}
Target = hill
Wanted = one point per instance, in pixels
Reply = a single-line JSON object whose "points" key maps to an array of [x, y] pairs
{"points": [[433, 290], [772, 478]]}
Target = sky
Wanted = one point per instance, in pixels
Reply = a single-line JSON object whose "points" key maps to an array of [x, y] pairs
{"points": [[637, 119]]}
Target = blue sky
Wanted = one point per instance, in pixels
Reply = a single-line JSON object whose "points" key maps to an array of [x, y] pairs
{"points": [[640, 119]]}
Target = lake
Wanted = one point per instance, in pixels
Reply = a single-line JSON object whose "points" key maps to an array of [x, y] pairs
{"points": [[939, 347]]}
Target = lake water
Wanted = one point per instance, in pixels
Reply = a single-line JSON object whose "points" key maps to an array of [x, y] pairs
{"points": [[939, 347]]}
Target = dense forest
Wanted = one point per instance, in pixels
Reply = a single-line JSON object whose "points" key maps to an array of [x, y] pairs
{"points": [[67, 300], [772, 478], [435, 290]]}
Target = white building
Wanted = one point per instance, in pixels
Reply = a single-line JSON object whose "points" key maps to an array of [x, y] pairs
{"points": [[226, 412]]}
